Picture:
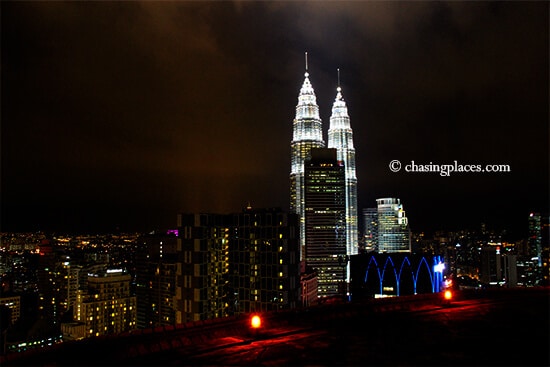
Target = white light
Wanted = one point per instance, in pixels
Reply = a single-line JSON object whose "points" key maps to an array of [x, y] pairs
{"points": [[439, 268]]}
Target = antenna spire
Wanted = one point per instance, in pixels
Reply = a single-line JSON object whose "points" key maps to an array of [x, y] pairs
{"points": [[338, 70], [306, 60]]}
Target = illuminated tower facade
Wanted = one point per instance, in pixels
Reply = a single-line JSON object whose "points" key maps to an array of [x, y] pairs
{"points": [[307, 134], [394, 234], [340, 137], [325, 221]]}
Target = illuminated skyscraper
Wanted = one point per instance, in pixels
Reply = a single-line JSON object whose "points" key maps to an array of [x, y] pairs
{"points": [[325, 221], [535, 237], [394, 234], [307, 134], [340, 137]]}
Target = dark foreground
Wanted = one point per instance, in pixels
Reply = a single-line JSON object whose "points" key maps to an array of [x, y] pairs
{"points": [[500, 328]]}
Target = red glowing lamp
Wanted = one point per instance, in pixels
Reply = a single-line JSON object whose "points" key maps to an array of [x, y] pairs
{"points": [[255, 322]]}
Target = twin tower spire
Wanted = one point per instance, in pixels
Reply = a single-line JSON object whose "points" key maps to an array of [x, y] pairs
{"points": [[308, 134]]}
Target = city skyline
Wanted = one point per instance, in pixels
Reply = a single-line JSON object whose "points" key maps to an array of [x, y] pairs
{"points": [[122, 115]]}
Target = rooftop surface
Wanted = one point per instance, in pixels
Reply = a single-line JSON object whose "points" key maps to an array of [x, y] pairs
{"points": [[508, 327]]}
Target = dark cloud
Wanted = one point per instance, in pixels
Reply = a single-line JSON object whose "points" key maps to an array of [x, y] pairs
{"points": [[125, 113]]}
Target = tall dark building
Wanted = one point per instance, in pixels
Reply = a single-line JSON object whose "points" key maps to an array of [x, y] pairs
{"points": [[325, 220], [370, 229], [156, 277], [264, 268], [203, 277], [535, 237], [237, 263]]}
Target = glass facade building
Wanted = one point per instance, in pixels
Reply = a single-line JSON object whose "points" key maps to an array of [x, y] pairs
{"points": [[370, 229], [340, 137], [325, 221], [307, 134], [394, 234]]}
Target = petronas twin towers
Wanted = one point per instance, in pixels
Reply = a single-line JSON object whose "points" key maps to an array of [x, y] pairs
{"points": [[307, 135]]}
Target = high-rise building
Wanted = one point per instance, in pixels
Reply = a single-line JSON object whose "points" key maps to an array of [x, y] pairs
{"points": [[325, 220], [106, 306], [370, 229], [535, 237], [237, 263], [264, 268], [340, 137], [394, 234], [306, 134], [156, 278], [203, 275], [545, 254]]}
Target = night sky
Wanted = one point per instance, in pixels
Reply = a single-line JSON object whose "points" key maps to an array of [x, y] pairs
{"points": [[120, 115]]}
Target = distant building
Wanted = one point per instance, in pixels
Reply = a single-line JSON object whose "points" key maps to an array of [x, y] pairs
{"points": [[55, 286], [394, 234], [307, 134], [325, 221], [340, 137], [545, 253], [73, 284], [13, 303], [156, 278], [497, 267], [75, 330], [370, 229], [106, 306], [535, 237]]}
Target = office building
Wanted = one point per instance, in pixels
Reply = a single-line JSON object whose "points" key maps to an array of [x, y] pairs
{"points": [[306, 134], [498, 268], [325, 221], [394, 234], [535, 237], [340, 137], [370, 229]]}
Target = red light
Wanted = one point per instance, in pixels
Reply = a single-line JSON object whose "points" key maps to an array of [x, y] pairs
{"points": [[448, 295], [256, 321]]}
